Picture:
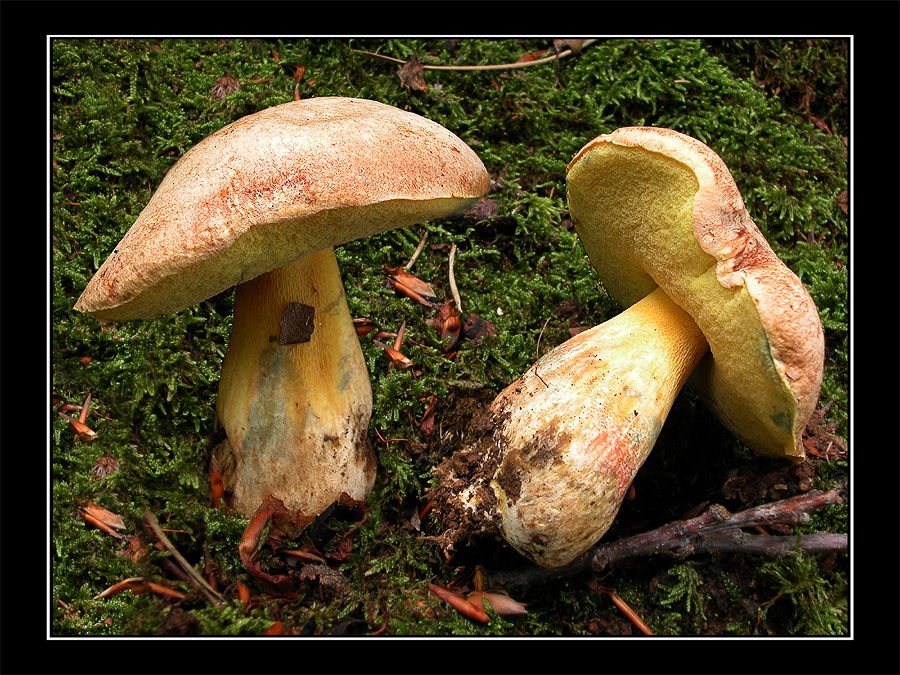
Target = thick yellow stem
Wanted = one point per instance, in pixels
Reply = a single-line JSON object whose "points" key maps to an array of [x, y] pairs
{"points": [[296, 415], [574, 430]]}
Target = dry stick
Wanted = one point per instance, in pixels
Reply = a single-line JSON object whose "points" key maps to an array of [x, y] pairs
{"points": [[194, 576], [714, 531], [501, 66], [418, 251], [453, 289], [537, 348]]}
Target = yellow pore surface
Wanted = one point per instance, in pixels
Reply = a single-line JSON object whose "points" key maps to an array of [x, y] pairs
{"points": [[633, 209]]}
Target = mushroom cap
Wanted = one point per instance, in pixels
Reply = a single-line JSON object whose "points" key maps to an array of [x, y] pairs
{"points": [[654, 207], [275, 186]]}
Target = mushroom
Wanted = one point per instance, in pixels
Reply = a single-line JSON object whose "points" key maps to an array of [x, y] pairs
{"points": [[708, 303], [260, 204]]}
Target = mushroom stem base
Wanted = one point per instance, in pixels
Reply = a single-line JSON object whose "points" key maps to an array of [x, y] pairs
{"points": [[572, 432], [296, 414]]}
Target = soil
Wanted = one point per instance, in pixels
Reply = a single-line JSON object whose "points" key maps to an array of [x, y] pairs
{"points": [[472, 467]]}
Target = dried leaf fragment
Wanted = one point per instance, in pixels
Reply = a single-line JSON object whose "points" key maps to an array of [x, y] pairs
{"points": [[532, 56], [483, 209], [460, 604], [105, 516], [448, 324], [412, 282], [474, 327], [364, 326], [276, 584], [83, 431], [411, 75], [397, 359], [500, 603]]}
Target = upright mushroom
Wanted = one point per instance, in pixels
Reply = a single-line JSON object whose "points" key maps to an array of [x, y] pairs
{"points": [[707, 301], [260, 204]]}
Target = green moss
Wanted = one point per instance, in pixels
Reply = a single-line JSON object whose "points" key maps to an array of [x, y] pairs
{"points": [[817, 597], [123, 111], [684, 591]]}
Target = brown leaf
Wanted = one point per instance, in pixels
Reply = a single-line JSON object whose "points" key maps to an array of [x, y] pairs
{"points": [[344, 548], [821, 124], [411, 75]]}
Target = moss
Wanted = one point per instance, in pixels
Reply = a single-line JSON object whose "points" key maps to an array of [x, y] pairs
{"points": [[817, 601], [123, 111]]}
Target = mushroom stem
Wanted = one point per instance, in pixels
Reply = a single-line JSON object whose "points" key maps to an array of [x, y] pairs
{"points": [[573, 431], [296, 415]]}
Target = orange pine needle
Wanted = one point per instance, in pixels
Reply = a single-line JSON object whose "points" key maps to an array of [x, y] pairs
{"points": [[622, 605], [460, 604]]}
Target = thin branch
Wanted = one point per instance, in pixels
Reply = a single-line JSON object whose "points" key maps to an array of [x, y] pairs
{"points": [[453, 289], [418, 251], [500, 66], [194, 576], [715, 531]]}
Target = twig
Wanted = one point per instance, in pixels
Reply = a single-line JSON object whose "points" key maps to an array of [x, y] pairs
{"points": [[501, 66], [418, 250], [193, 575], [715, 531], [537, 347], [453, 289]]}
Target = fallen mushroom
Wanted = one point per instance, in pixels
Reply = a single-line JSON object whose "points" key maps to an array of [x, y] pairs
{"points": [[260, 204], [666, 229]]}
